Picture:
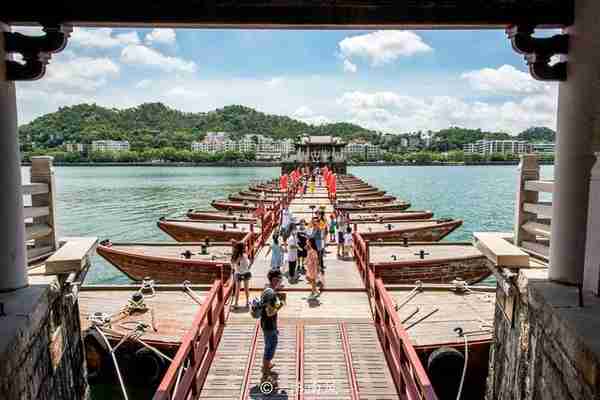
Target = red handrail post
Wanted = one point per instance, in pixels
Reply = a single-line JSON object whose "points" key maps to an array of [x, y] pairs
{"points": [[220, 300]]}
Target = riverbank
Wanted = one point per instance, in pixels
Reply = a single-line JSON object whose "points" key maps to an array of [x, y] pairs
{"points": [[251, 164]]}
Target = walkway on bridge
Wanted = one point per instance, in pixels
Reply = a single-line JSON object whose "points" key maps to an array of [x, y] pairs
{"points": [[328, 349]]}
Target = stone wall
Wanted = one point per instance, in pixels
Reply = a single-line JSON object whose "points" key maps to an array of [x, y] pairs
{"points": [[549, 350], [41, 347]]}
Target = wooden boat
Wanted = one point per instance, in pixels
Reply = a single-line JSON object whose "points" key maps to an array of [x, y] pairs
{"points": [[268, 195], [271, 190], [197, 231], [342, 190], [242, 198], [213, 215], [432, 315], [428, 262], [430, 230], [366, 200], [378, 207], [233, 205], [169, 262], [390, 216]]}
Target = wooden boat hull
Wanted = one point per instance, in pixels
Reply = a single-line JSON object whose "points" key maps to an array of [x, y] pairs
{"points": [[234, 206], [426, 233], [164, 269], [366, 200], [398, 206], [356, 218], [198, 231], [472, 267], [219, 216], [242, 198]]}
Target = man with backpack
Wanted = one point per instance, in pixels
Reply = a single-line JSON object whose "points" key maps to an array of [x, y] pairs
{"points": [[266, 309]]}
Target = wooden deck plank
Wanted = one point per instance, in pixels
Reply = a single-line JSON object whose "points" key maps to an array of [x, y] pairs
{"points": [[174, 312], [471, 312]]}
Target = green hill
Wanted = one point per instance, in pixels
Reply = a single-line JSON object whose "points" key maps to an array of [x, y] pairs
{"points": [[154, 125], [538, 135]]}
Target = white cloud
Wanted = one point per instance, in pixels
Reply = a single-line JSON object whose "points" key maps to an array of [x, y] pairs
{"points": [[102, 38], [390, 111], [276, 81], [184, 94], [349, 67], [143, 84], [306, 114], [382, 47], [163, 36], [138, 54], [505, 80], [82, 73], [128, 38]]}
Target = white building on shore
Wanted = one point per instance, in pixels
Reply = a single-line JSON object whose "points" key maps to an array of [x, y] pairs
{"points": [[110, 145], [498, 146], [75, 147], [264, 147], [543, 148], [366, 149]]}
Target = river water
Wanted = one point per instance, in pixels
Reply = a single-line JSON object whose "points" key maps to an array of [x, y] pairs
{"points": [[124, 203]]}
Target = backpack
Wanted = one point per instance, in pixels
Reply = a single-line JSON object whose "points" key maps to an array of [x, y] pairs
{"points": [[256, 308]]}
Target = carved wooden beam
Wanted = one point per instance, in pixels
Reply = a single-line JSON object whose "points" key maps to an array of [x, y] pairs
{"points": [[35, 50], [538, 52]]}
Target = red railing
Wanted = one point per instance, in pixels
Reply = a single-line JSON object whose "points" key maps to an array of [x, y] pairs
{"points": [[409, 375], [188, 371]]}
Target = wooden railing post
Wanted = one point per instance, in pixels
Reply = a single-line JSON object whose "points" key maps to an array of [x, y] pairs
{"points": [[221, 300], [43, 172], [528, 170]]}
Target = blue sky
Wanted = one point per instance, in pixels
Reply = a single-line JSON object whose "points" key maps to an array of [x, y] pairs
{"points": [[392, 81]]}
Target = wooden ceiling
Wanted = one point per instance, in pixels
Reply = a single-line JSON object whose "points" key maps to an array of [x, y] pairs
{"points": [[299, 14]]}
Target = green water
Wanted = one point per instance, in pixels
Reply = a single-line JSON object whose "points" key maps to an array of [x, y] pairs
{"points": [[124, 203]]}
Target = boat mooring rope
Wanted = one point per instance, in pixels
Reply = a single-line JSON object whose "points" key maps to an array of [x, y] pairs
{"points": [[460, 333]]}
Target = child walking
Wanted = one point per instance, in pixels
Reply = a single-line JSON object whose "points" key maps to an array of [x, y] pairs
{"points": [[332, 227], [312, 268], [348, 242], [277, 253]]}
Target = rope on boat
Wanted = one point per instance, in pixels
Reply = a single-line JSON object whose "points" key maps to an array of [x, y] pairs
{"points": [[460, 333], [114, 358]]}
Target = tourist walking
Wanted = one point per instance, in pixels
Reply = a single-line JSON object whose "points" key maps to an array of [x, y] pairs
{"points": [[348, 242], [241, 268], [312, 268], [341, 230], [276, 251], [311, 185], [292, 253], [332, 227], [302, 238], [272, 301]]}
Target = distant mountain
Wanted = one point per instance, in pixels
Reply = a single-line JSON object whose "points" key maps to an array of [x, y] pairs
{"points": [[538, 135], [156, 125]]}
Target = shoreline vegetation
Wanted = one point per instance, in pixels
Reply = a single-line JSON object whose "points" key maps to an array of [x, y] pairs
{"points": [[254, 164]]}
